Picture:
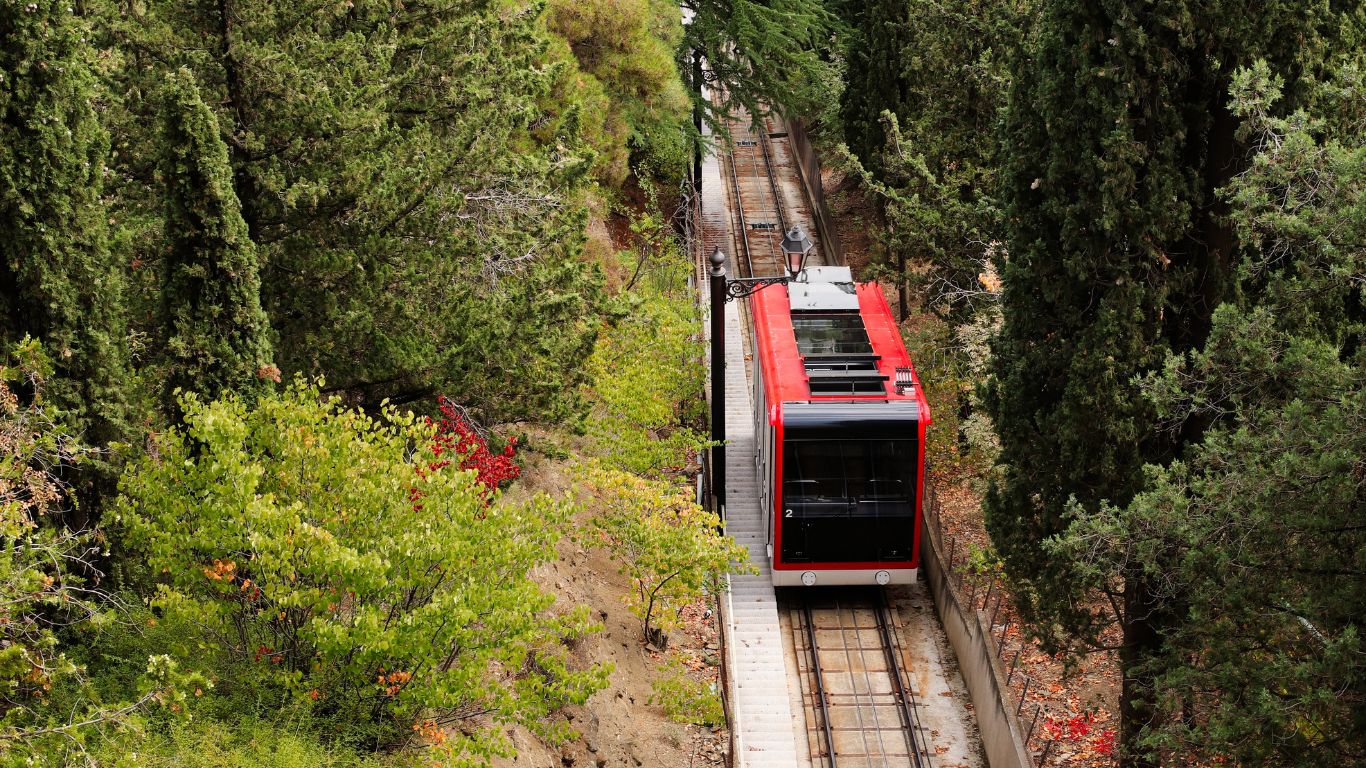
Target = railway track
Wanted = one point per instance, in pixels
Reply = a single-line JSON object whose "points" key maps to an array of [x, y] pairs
{"points": [[858, 698], [760, 172]]}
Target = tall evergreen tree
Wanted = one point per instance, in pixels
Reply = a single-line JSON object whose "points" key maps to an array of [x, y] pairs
{"points": [[875, 80], [1255, 535], [217, 335], [941, 69], [59, 282], [1118, 135]]}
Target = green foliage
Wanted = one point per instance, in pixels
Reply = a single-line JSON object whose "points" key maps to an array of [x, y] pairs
{"points": [[1117, 138], [942, 68], [242, 744], [522, 346], [646, 369], [59, 282], [761, 56], [1254, 537], [217, 335], [940, 226], [1107, 265], [49, 588], [625, 50], [417, 231], [685, 699], [39, 581], [946, 383], [926, 83], [1254, 540], [1300, 207], [671, 549], [329, 552]]}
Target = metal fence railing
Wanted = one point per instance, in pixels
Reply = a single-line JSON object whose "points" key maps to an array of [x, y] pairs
{"points": [[984, 596]]}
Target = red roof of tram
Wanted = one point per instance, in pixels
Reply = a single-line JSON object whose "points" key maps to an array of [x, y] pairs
{"points": [[784, 373]]}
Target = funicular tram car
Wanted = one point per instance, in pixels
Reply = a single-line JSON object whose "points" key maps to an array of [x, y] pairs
{"points": [[840, 422]]}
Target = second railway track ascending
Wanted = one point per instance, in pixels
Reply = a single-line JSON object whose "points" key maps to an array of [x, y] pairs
{"points": [[860, 703]]}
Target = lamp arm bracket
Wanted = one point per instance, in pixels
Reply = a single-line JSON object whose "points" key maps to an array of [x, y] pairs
{"points": [[739, 288]]}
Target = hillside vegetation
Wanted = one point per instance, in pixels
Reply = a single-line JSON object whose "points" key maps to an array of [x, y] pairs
{"points": [[281, 285], [288, 291]]}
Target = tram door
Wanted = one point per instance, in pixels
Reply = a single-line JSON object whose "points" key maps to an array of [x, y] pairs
{"points": [[764, 458]]}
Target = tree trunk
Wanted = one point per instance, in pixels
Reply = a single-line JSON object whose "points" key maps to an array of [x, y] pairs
{"points": [[902, 292], [1137, 699]]}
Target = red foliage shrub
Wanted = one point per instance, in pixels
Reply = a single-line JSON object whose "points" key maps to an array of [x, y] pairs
{"points": [[1075, 729], [458, 442]]}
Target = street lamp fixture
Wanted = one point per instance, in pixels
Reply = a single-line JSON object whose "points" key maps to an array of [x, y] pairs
{"points": [[796, 246]]}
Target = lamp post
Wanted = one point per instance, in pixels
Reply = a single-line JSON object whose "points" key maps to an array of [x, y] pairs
{"points": [[796, 247]]}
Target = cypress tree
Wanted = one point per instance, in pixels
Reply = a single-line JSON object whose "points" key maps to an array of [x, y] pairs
{"points": [[1256, 530], [874, 81], [1117, 136], [217, 334], [59, 282]]}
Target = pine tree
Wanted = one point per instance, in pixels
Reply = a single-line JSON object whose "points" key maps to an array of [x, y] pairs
{"points": [[762, 56], [217, 334], [1117, 137], [59, 282], [402, 181]]}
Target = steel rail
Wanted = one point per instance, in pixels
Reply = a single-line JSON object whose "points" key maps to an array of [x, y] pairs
{"points": [[772, 184], [822, 705], [858, 708], [758, 172], [904, 694], [855, 654], [773, 248], [740, 213]]}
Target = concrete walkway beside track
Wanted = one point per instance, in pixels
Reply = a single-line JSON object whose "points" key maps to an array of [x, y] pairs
{"points": [[763, 726], [765, 730]]}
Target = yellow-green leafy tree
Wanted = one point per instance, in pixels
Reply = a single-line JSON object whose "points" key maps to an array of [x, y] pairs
{"points": [[336, 561], [672, 550]]}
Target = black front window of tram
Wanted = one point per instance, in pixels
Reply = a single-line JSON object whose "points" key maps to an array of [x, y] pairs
{"points": [[848, 500]]}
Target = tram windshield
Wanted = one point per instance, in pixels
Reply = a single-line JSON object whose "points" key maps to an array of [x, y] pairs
{"points": [[848, 500]]}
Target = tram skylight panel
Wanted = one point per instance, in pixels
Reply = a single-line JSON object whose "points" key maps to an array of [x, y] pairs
{"points": [[825, 334]]}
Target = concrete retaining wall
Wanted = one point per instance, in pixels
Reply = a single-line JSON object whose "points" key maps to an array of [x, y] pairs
{"points": [[809, 166]]}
